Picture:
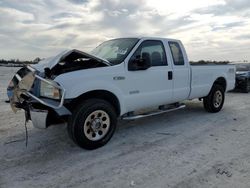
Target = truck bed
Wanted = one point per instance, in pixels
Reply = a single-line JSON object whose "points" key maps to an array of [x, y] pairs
{"points": [[203, 77]]}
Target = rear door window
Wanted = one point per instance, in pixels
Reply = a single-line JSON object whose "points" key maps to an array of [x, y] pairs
{"points": [[176, 53]]}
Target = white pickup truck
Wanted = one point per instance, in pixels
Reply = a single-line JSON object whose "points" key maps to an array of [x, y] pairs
{"points": [[119, 78]]}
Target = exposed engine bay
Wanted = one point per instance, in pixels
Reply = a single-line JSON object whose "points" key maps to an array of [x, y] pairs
{"points": [[76, 60]]}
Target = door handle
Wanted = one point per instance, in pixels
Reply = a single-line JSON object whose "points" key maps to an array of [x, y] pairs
{"points": [[170, 75]]}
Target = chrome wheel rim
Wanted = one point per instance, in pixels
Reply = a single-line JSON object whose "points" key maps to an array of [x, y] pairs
{"points": [[96, 125], [218, 97]]}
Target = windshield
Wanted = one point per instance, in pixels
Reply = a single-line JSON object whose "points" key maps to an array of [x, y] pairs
{"points": [[116, 50], [243, 67]]}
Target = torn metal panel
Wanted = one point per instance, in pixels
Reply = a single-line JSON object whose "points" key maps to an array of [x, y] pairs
{"points": [[27, 82], [19, 85]]}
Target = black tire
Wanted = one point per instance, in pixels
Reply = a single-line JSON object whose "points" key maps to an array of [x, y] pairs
{"points": [[211, 102], [247, 87], [84, 122]]}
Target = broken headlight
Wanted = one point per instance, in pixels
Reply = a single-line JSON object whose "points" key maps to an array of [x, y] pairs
{"points": [[49, 91]]}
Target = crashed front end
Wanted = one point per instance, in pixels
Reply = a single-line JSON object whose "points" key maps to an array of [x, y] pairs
{"points": [[38, 96], [33, 87]]}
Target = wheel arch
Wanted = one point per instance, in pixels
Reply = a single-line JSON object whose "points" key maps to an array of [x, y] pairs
{"points": [[98, 94], [222, 82]]}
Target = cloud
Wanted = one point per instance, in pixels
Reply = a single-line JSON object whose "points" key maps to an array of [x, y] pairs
{"points": [[227, 26], [78, 1], [208, 28], [228, 8], [243, 37]]}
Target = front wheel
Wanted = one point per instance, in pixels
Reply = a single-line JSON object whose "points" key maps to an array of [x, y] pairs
{"points": [[92, 124], [214, 101]]}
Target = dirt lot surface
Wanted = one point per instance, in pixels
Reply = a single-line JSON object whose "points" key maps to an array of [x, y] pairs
{"points": [[186, 148]]}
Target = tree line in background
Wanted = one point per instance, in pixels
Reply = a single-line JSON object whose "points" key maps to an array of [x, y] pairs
{"points": [[17, 62], [210, 62]]}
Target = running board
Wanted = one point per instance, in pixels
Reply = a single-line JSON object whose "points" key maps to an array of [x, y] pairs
{"points": [[134, 117]]}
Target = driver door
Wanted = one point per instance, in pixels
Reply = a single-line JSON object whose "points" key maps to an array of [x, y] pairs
{"points": [[153, 86]]}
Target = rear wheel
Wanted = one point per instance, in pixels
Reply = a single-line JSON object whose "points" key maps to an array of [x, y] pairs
{"points": [[92, 124], [215, 100]]}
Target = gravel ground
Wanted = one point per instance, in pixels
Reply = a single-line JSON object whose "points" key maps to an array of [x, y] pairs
{"points": [[188, 148]]}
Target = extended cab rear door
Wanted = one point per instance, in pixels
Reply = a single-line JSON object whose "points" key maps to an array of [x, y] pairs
{"points": [[181, 70]]}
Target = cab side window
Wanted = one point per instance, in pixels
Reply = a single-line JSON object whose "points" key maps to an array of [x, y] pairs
{"points": [[153, 51], [176, 53]]}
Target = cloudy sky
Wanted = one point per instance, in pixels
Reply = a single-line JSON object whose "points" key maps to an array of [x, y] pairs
{"points": [[210, 29]]}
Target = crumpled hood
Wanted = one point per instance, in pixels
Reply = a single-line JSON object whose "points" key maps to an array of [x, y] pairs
{"points": [[53, 61]]}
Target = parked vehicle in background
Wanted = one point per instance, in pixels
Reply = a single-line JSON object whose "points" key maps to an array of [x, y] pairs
{"points": [[119, 78], [243, 77]]}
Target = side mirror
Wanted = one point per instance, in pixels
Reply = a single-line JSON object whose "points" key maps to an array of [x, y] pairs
{"points": [[139, 64]]}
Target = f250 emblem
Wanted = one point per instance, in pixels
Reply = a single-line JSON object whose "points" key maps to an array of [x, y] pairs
{"points": [[119, 78], [134, 92]]}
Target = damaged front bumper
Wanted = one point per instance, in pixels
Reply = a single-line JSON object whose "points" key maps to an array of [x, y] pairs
{"points": [[39, 118], [23, 94], [50, 82]]}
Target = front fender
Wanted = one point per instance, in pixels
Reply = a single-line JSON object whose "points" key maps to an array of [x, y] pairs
{"points": [[77, 89]]}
